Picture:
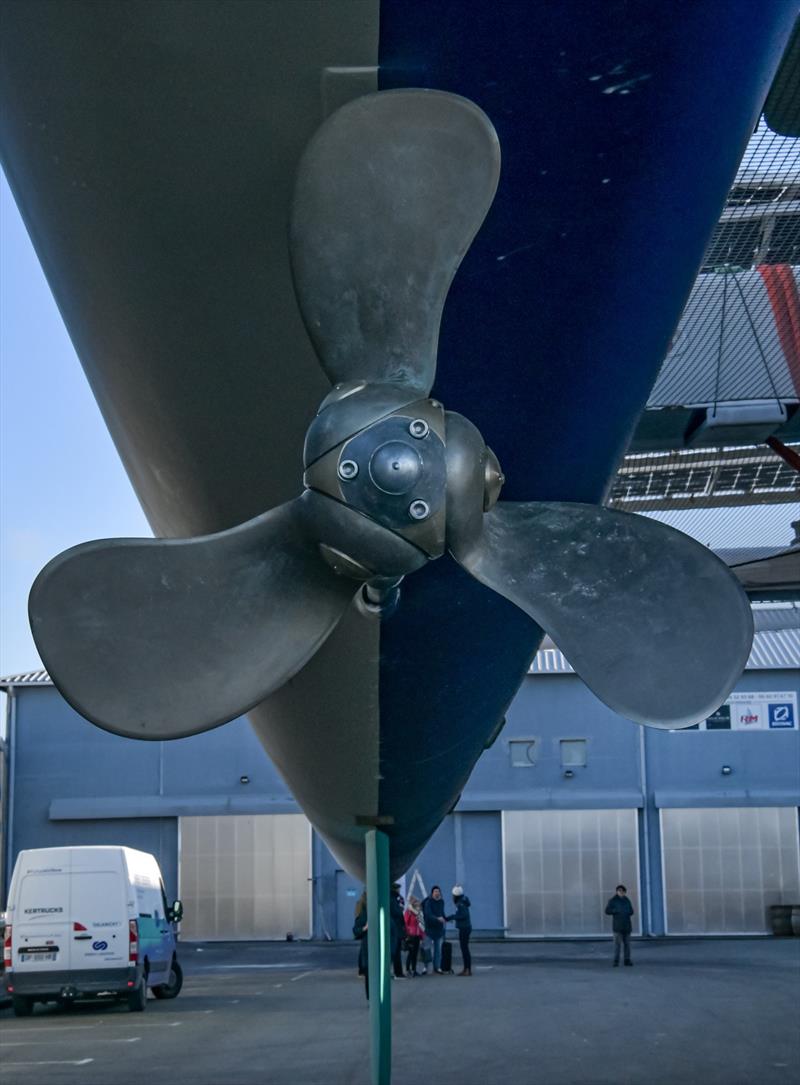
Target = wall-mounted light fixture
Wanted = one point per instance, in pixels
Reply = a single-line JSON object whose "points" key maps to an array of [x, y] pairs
{"points": [[568, 774], [244, 779], [726, 770], [573, 753]]}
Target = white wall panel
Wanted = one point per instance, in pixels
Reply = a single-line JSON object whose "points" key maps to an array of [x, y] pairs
{"points": [[245, 876], [561, 867], [724, 867]]}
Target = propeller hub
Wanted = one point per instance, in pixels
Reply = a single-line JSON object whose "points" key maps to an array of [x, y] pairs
{"points": [[389, 462], [412, 467]]}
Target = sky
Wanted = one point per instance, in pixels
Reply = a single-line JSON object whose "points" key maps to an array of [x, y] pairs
{"points": [[61, 480]]}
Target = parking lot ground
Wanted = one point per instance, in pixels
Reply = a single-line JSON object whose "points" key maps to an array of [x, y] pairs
{"points": [[690, 1012]]}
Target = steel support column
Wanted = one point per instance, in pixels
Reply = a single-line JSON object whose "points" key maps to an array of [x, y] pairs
{"points": [[378, 945]]}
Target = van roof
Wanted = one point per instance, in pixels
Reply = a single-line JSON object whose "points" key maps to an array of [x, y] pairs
{"points": [[85, 847], [133, 857]]}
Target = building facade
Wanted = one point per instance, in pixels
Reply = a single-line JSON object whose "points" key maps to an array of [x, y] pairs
{"points": [[568, 800]]}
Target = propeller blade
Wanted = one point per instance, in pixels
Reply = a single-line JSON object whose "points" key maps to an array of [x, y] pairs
{"points": [[390, 193], [655, 625], [162, 638]]}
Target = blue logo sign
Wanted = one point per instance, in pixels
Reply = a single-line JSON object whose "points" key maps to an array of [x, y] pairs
{"points": [[99, 945], [781, 715]]}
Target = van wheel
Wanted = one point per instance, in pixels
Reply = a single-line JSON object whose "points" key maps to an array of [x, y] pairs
{"points": [[172, 988], [23, 1005], [137, 998]]}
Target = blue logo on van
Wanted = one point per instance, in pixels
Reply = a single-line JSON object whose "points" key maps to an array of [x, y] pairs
{"points": [[99, 945]]}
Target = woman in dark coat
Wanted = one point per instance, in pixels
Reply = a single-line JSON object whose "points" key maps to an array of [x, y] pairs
{"points": [[433, 911], [360, 932], [463, 926], [397, 929]]}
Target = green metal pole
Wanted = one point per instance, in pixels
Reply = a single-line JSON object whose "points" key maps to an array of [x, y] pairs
{"points": [[379, 949]]}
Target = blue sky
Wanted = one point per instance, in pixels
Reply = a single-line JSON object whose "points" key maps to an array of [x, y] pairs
{"points": [[61, 481]]}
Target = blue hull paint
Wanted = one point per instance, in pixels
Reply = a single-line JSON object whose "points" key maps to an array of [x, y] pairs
{"points": [[562, 311], [621, 126]]}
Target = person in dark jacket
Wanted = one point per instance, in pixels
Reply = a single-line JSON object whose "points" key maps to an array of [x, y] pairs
{"points": [[463, 926], [360, 932], [433, 912], [397, 929], [621, 909]]}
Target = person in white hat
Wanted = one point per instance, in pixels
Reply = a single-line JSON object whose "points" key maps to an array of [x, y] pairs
{"points": [[463, 926]]}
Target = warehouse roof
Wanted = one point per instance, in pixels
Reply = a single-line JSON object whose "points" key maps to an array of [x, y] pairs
{"points": [[773, 649]]}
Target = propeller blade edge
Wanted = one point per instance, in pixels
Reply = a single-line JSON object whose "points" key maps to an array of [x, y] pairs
{"points": [[163, 638], [653, 622]]}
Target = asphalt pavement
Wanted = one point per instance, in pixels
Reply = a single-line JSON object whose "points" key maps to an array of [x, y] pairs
{"points": [[689, 1012]]}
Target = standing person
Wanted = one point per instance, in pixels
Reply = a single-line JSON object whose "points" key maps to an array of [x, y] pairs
{"points": [[433, 913], [463, 926], [621, 909], [415, 932], [397, 930], [360, 932]]}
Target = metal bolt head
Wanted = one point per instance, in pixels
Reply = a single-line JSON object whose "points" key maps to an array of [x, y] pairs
{"points": [[493, 479], [418, 510], [348, 469], [419, 428]]}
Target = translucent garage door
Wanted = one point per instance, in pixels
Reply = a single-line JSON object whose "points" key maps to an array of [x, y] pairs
{"points": [[245, 876], [724, 867], [561, 867]]}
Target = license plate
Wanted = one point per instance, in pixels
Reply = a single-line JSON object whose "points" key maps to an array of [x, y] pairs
{"points": [[48, 956]]}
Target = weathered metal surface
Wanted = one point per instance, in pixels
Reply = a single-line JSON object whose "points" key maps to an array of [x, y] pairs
{"points": [[390, 192], [218, 622], [631, 602]]}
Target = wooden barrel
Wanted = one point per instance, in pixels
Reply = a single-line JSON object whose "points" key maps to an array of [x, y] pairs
{"points": [[796, 919], [780, 918]]}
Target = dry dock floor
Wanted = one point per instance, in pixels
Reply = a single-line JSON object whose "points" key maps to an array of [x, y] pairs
{"points": [[704, 1011]]}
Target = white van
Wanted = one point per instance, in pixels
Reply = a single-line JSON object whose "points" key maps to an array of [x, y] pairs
{"points": [[88, 921]]}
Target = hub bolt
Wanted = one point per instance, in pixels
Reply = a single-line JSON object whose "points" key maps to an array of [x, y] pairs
{"points": [[348, 469], [419, 428], [418, 510]]}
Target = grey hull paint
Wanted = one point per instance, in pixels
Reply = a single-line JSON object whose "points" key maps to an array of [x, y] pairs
{"points": [[185, 318], [322, 731], [152, 150], [187, 327]]}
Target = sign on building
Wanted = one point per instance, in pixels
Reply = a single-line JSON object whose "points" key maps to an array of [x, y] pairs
{"points": [[754, 712], [763, 711]]}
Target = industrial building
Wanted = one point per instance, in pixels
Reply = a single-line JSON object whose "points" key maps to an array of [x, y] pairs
{"points": [[568, 800]]}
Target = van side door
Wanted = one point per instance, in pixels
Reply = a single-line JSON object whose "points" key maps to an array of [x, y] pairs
{"points": [[99, 914]]}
